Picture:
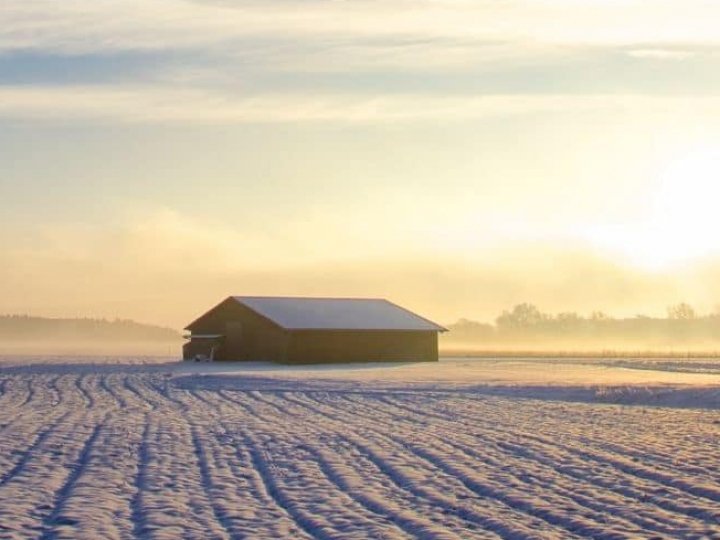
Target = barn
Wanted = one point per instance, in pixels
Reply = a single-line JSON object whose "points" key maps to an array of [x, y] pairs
{"points": [[311, 330]]}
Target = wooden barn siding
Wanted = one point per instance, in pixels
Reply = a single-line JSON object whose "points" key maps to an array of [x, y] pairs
{"points": [[259, 338], [311, 346]]}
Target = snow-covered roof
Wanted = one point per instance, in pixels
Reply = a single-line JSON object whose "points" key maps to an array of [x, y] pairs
{"points": [[336, 313], [205, 336]]}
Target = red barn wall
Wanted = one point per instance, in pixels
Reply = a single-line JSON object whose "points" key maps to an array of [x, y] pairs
{"points": [[324, 346], [248, 336]]}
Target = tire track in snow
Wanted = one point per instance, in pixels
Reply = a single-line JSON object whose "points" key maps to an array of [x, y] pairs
{"points": [[629, 469], [406, 483], [27, 499], [144, 401], [31, 450], [91, 382], [268, 520], [3, 390], [638, 492], [554, 519], [553, 482], [86, 395], [203, 400], [413, 525], [634, 470], [280, 412], [568, 521], [30, 396], [105, 385], [98, 505], [208, 485], [660, 458], [57, 395], [138, 514], [595, 442], [202, 411], [259, 398], [262, 465], [71, 396], [571, 495], [18, 422], [299, 442], [641, 491], [235, 401], [63, 493], [696, 512], [13, 397], [169, 498], [164, 392], [365, 506], [468, 512]]}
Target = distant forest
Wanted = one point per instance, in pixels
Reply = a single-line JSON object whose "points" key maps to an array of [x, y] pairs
{"points": [[30, 329], [526, 324]]}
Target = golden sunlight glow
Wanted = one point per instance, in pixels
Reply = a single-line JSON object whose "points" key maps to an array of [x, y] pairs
{"points": [[459, 157], [680, 221]]}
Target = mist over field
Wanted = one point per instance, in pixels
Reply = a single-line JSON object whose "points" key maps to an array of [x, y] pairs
{"points": [[527, 329], [523, 329], [21, 334]]}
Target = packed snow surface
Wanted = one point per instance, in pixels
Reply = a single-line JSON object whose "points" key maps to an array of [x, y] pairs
{"points": [[466, 448]]}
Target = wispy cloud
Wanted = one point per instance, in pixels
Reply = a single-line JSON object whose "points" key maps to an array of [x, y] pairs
{"points": [[663, 54], [155, 104], [355, 61], [85, 25]]}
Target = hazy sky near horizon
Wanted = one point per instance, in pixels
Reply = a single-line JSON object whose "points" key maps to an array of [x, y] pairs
{"points": [[456, 156]]}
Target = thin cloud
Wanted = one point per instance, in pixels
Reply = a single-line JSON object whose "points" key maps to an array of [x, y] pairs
{"points": [[148, 104], [76, 26], [662, 54]]}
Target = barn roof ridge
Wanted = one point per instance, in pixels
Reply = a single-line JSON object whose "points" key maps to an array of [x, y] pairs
{"points": [[313, 297], [297, 313]]}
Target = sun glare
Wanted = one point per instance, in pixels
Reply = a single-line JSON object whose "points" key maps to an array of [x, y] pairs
{"points": [[679, 220]]}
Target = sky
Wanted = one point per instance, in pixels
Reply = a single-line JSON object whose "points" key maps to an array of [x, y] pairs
{"points": [[455, 156]]}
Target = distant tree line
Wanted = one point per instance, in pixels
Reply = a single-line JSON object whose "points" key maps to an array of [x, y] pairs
{"points": [[526, 321], [26, 328]]}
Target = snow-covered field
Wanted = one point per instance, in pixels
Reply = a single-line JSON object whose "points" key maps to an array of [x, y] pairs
{"points": [[467, 448]]}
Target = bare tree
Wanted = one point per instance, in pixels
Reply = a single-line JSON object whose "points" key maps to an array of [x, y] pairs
{"points": [[681, 312], [522, 316]]}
